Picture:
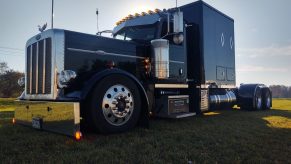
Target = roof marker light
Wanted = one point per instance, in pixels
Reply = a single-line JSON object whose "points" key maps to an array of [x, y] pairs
{"points": [[157, 11], [143, 13], [150, 12], [130, 16]]}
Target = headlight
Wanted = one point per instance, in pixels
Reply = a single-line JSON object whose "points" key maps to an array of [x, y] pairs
{"points": [[65, 76], [178, 38], [21, 81]]}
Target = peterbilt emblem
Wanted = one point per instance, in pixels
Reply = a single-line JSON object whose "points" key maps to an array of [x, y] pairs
{"points": [[38, 37]]}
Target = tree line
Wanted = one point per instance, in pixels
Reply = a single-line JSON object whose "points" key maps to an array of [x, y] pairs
{"points": [[8, 82], [280, 91]]}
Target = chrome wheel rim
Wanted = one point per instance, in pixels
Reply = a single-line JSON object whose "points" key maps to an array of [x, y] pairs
{"points": [[117, 105]]}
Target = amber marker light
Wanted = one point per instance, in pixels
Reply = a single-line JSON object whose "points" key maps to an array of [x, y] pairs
{"points": [[13, 121], [137, 15], [143, 13], [157, 11], [78, 135], [146, 60], [150, 12], [147, 65], [130, 16]]}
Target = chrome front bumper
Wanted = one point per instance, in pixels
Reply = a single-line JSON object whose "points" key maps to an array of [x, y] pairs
{"points": [[59, 117]]}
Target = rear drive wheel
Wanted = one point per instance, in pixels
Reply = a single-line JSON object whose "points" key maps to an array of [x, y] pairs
{"points": [[258, 99], [267, 99], [115, 104]]}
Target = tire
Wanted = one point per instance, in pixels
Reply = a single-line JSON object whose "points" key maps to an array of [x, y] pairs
{"points": [[267, 99], [257, 101], [115, 104]]}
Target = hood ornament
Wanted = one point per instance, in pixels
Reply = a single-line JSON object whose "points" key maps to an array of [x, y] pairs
{"points": [[41, 29]]}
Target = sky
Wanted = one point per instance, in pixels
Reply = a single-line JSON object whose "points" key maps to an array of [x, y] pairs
{"points": [[262, 29]]}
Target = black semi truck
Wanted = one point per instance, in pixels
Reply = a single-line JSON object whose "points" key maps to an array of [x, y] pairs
{"points": [[171, 63]]}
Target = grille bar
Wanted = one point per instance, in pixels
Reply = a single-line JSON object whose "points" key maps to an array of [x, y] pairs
{"points": [[48, 65], [28, 70], [38, 67], [43, 67], [33, 64]]}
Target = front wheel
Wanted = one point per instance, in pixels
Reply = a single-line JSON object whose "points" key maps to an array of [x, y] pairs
{"points": [[115, 104]]}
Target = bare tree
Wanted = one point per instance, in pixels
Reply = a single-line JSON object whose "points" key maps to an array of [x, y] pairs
{"points": [[8, 81], [3, 67]]}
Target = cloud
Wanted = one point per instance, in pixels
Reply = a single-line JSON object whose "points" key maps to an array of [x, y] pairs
{"points": [[252, 68], [270, 51], [254, 29]]}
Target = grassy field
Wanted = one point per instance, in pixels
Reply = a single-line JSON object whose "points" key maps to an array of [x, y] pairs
{"points": [[227, 136]]}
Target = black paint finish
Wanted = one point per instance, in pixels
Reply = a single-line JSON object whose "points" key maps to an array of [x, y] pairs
{"points": [[211, 44], [81, 56]]}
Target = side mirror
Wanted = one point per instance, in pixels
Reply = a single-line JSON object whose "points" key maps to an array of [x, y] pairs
{"points": [[178, 27]]}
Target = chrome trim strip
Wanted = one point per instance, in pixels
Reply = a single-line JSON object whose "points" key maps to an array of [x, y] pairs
{"points": [[186, 115], [30, 71], [77, 113], [58, 59], [174, 61], [36, 68], [43, 66], [219, 86], [178, 96], [100, 52], [171, 85]]}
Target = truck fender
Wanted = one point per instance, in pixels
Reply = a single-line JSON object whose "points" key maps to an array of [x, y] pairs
{"points": [[88, 86]]}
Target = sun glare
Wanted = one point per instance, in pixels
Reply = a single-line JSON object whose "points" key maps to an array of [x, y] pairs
{"points": [[140, 7]]}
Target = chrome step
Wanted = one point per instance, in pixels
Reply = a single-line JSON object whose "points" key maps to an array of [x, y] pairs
{"points": [[178, 115]]}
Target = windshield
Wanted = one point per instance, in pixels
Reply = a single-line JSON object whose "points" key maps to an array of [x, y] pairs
{"points": [[137, 33]]}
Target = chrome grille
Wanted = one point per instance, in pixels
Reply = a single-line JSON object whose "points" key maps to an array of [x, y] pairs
{"points": [[38, 67]]}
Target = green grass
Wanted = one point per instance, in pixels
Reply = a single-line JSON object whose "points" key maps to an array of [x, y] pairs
{"points": [[227, 136], [7, 104]]}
